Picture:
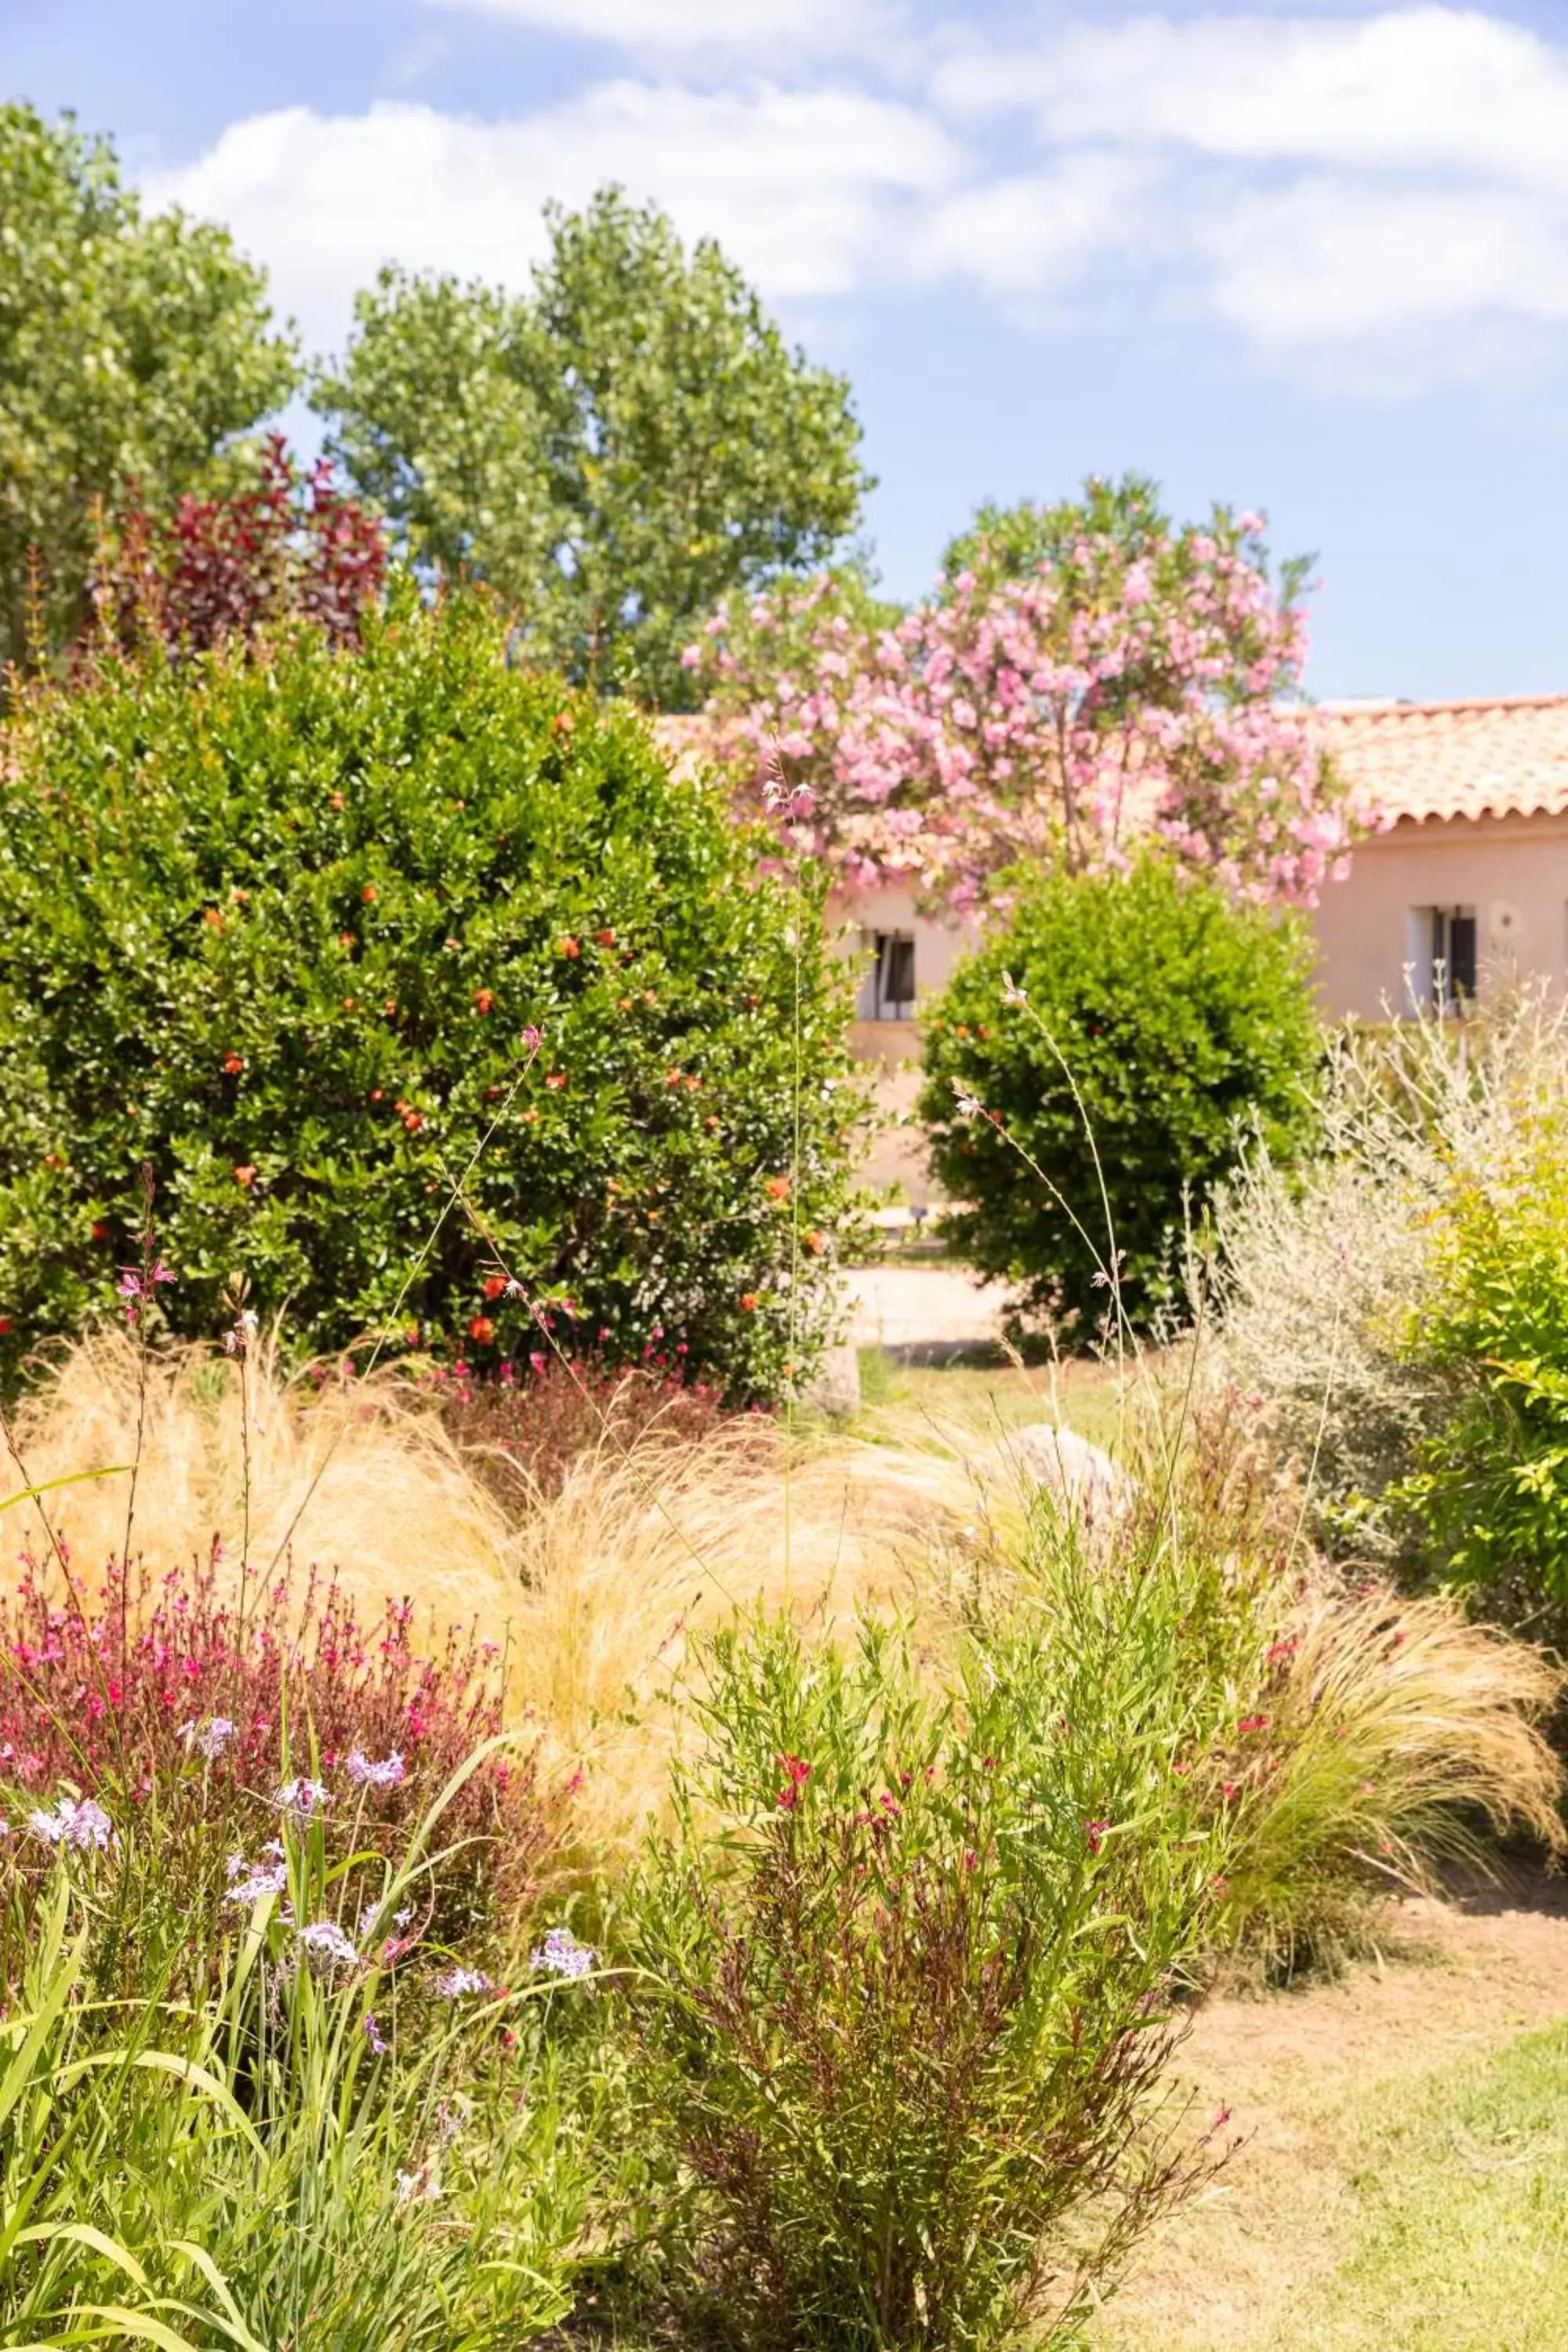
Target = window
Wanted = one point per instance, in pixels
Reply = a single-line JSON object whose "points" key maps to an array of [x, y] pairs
{"points": [[1443, 955], [887, 990]]}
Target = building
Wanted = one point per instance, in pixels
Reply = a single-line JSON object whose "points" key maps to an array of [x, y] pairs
{"points": [[1466, 886]]}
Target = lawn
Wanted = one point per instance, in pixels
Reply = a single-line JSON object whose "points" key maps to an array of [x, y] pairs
{"points": [[1403, 2183], [983, 1393]]}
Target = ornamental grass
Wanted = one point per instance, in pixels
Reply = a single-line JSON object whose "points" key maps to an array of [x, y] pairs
{"points": [[585, 1580]]}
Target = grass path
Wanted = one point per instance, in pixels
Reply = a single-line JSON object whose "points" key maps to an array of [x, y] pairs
{"points": [[987, 1397], [1404, 2185]]}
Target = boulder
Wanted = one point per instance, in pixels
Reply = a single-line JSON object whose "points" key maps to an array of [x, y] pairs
{"points": [[836, 1385], [1040, 1455]]}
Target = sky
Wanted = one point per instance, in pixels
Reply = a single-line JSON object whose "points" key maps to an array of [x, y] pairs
{"points": [[1311, 258]]}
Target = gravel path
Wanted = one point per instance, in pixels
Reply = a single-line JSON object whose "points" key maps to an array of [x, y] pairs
{"points": [[935, 1308]]}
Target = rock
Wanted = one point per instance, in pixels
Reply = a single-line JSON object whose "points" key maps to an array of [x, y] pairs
{"points": [[1042, 1456], [836, 1385]]}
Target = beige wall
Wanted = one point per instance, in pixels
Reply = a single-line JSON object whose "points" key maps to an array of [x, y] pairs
{"points": [[1513, 871], [897, 1155], [937, 945]]}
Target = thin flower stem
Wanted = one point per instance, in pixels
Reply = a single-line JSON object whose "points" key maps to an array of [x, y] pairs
{"points": [[792, 1390], [141, 1308]]}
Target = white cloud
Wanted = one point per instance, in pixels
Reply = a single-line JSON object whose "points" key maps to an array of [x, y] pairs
{"points": [[771, 29], [1374, 202], [1041, 233], [1329, 259], [806, 190], [1387, 290], [1422, 87]]}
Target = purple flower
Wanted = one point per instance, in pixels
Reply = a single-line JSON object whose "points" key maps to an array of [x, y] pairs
{"points": [[250, 1881], [82, 1825], [374, 2036], [384, 1775], [561, 1954], [457, 1982], [302, 1797], [209, 1740], [422, 2187], [371, 1913], [324, 1939]]}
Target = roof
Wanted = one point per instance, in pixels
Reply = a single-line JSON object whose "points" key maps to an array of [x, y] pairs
{"points": [[1507, 756]]}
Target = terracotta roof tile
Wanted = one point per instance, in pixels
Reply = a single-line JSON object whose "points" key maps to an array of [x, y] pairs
{"points": [[1504, 756], [1417, 759]]}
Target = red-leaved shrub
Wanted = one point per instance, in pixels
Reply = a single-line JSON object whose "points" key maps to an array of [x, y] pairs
{"points": [[291, 544], [156, 1695], [524, 1433]]}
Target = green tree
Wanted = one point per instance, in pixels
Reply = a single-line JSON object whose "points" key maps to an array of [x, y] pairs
{"points": [[1010, 542], [131, 349], [613, 452]]}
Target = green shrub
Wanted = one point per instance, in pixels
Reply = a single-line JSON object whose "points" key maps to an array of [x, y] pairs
{"points": [[1398, 1309], [1164, 1024], [1489, 1489], [904, 2012], [281, 926]]}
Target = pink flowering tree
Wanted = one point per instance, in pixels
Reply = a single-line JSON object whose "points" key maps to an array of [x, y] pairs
{"points": [[1086, 677]]}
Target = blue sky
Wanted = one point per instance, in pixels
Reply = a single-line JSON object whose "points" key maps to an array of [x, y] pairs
{"points": [[1309, 258]]}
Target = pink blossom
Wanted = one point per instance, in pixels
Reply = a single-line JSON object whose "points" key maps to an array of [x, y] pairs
{"points": [[984, 724]]}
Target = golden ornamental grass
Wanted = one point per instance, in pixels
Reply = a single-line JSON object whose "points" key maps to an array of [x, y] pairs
{"points": [[593, 1591], [1397, 1719]]}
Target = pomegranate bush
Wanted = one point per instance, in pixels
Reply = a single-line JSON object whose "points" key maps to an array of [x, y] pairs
{"points": [[318, 931]]}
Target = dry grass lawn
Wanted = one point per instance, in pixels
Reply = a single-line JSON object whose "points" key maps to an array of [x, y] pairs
{"points": [[1405, 2181]]}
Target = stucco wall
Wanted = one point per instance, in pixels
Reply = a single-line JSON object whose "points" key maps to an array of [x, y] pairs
{"points": [[1512, 870], [897, 1155], [938, 946]]}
